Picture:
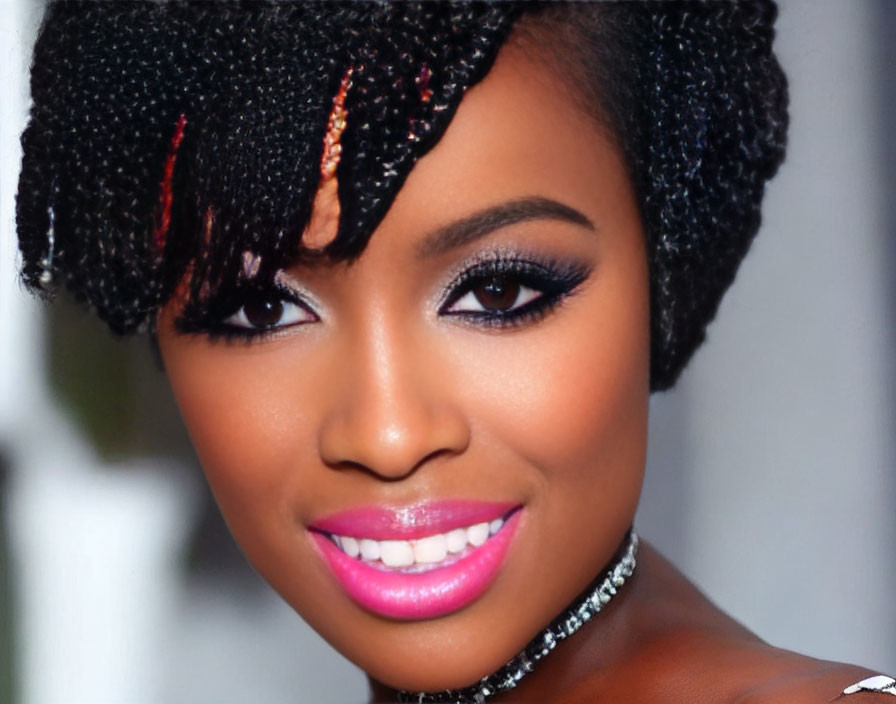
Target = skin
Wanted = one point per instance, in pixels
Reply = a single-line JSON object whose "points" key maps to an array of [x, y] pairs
{"points": [[385, 400]]}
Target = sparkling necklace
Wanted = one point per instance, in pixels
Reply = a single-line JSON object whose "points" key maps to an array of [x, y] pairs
{"points": [[570, 621]]}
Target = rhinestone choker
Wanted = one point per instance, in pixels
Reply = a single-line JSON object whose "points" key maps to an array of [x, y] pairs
{"points": [[570, 621]]}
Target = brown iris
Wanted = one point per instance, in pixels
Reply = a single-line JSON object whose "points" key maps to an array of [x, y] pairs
{"points": [[497, 293], [263, 312]]}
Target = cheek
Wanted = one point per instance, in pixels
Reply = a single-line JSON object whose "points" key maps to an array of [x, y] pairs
{"points": [[564, 407], [246, 424], [571, 398]]}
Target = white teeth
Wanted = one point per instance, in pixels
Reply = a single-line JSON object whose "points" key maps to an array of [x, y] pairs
{"points": [[423, 551], [396, 553], [478, 534], [456, 540], [350, 546], [431, 549], [370, 549]]}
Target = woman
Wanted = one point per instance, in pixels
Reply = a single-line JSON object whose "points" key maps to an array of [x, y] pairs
{"points": [[413, 277]]}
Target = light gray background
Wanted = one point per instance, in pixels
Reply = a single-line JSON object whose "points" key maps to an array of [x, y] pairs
{"points": [[779, 491], [771, 476]]}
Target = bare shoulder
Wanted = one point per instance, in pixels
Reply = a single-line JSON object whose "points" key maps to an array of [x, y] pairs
{"points": [[693, 652], [753, 672], [796, 679], [744, 671]]}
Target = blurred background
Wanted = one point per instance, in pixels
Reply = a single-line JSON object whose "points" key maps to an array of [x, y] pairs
{"points": [[771, 475]]}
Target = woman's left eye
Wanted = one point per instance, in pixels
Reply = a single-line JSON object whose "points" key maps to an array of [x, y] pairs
{"points": [[268, 312], [507, 292], [497, 294]]}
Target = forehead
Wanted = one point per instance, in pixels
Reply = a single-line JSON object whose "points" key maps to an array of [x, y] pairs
{"points": [[517, 134]]}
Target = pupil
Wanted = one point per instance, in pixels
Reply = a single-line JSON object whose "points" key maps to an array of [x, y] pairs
{"points": [[497, 294], [263, 312]]}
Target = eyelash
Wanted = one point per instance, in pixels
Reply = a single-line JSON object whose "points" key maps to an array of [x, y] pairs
{"points": [[550, 281], [213, 321]]}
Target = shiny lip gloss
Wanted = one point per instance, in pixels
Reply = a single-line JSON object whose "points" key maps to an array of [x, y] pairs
{"points": [[405, 595]]}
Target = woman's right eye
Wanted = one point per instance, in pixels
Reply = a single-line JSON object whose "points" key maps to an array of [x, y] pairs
{"points": [[267, 312]]}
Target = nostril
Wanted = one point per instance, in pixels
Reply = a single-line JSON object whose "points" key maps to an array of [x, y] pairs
{"points": [[389, 450], [389, 474]]}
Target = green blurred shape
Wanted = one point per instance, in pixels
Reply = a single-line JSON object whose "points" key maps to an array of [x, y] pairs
{"points": [[114, 388]]}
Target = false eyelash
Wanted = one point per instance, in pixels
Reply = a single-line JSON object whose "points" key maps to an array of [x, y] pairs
{"points": [[208, 319], [556, 280]]}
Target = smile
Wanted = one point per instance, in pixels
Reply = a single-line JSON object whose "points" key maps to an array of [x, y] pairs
{"points": [[425, 576], [419, 555]]}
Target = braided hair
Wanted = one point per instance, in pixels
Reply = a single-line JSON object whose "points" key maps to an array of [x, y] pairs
{"points": [[168, 140]]}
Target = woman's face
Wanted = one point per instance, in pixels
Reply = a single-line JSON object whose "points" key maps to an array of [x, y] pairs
{"points": [[485, 358]]}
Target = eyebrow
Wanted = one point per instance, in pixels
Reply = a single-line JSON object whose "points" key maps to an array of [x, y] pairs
{"points": [[486, 221]]}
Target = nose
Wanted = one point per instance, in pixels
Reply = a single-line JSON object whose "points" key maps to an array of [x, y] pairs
{"points": [[393, 409]]}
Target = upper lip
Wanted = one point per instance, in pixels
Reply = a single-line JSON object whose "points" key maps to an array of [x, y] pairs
{"points": [[413, 521]]}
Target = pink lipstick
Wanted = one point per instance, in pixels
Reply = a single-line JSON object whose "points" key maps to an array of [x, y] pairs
{"points": [[417, 562]]}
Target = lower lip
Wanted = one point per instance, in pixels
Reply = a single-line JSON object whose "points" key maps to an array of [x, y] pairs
{"points": [[424, 595]]}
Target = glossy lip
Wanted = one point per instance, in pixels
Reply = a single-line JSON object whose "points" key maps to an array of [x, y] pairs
{"points": [[424, 595], [411, 522]]}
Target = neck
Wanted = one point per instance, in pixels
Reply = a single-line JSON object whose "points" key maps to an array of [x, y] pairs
{"points": [[555, 648]]}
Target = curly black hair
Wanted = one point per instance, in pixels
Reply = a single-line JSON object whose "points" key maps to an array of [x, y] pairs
{"points": [[167, 139]]}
